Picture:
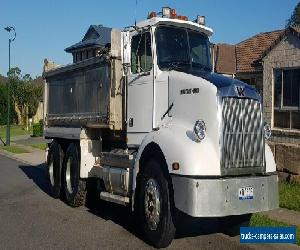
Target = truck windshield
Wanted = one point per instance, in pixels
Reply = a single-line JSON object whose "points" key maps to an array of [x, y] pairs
{"points": [[179, 47]]}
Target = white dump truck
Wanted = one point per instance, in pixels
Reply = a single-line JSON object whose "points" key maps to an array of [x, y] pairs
{"points": [[160, 132]]}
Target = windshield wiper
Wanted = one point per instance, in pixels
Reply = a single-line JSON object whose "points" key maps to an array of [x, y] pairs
{"points": [[177, 64]]}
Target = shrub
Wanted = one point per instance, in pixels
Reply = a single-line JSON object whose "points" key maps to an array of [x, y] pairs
{"points": [[38, 129]]}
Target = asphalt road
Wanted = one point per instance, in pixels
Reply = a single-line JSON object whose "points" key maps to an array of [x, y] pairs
{"points": [[31, 219]]}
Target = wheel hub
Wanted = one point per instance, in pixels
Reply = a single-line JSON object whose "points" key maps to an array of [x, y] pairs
{"points": [[152, 203], [69, 179], [51, 173]]}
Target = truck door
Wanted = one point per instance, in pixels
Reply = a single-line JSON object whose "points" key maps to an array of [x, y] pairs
{"points": [[140, 88]]}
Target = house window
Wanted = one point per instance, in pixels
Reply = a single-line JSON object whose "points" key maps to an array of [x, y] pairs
{"points": [[141, 55], [287, 98]]}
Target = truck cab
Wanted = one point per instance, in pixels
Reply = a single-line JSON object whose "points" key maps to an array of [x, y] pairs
{"points": [[206, 124], [191, 140], [155, 48]]}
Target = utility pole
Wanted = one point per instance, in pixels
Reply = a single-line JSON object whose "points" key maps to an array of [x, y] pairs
{"points": [[9, 29]]}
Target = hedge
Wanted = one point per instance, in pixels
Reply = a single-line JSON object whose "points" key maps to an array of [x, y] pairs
{"points": [[38, 129]]}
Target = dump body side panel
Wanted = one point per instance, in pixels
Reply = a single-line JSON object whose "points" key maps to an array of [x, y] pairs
{"points": [[88, 93], [80, 96]]}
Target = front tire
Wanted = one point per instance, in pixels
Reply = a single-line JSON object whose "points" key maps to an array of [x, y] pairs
{"points": [[74, 187], [155, 206], [54, 165]]}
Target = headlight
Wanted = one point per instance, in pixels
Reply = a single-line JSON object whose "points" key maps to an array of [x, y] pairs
{"points": [[199, 130], [267, 130]]}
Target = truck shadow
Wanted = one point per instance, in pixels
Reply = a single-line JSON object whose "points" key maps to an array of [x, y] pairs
{"points": [[38, 175], [186, 226]]}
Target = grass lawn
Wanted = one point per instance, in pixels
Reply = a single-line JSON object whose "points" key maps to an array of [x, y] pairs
{"points": [[289, 195], [14, 131], [41, 146], [14, 149], [258, 220]]}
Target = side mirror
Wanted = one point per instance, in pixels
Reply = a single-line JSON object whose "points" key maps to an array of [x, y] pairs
{"points": [[125, 48]]}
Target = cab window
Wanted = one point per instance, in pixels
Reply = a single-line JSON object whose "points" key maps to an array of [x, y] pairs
{"points": [[141, 54]]}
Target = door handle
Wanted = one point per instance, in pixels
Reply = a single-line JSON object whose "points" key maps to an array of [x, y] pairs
{"points": [[130, 122]]}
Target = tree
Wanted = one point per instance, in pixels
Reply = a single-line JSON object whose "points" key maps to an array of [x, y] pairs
{"points": [[14, 73], [27, 78], [26, 94], [294, 20]]}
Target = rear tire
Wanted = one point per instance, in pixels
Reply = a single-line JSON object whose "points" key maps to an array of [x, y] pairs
{"points": [[155, 206], [54, 165], [74, 187]]}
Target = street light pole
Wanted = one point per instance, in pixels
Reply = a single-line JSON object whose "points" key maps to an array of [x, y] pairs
{"points": [[9, 29]]}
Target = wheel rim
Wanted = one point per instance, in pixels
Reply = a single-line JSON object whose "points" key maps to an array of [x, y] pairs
{"points": [[51, 173], [152, 204], [69, 179]]}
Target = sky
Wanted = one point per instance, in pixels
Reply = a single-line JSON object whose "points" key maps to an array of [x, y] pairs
{"points": [[46, 27]]}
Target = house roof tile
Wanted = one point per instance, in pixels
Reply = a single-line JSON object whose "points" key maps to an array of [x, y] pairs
{"points": [[251, 49]]}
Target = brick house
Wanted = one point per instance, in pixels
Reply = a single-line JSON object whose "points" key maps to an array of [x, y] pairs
{"points": [[270, 61]]}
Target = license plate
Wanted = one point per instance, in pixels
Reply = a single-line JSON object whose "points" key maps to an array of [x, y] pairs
{"points": [[246, 193]]}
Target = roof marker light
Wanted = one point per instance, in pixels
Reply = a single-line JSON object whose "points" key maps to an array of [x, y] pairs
{"points": [[184, 18], [200, 20], [173, 14], [152, 14], [166, 12]]}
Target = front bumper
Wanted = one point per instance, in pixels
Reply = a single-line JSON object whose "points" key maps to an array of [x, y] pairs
{"points": [[220, 197]]}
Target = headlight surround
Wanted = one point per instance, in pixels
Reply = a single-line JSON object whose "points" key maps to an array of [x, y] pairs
{"points": [[267, 131], [199, 130]]}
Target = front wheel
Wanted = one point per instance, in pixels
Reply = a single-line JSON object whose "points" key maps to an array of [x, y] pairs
{"points": [[74, 187], [155, 206]]}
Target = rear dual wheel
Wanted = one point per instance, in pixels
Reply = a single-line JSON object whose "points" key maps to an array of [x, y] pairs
{"points": [[54, 165], [74, 188], [63, 174]]}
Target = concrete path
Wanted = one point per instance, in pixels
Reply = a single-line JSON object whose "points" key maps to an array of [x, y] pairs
{"points": [[34, 157], [28, 140], [284, 215], [19, 137]]}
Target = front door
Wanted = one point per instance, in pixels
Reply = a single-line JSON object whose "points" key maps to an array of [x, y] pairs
{"points": [[140, 89]]}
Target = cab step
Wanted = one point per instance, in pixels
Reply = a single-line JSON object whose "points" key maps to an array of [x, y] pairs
{"points": [[114, 198]]}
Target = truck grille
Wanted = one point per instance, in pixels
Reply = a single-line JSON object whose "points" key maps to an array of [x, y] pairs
{"points": [[242, 140]]}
